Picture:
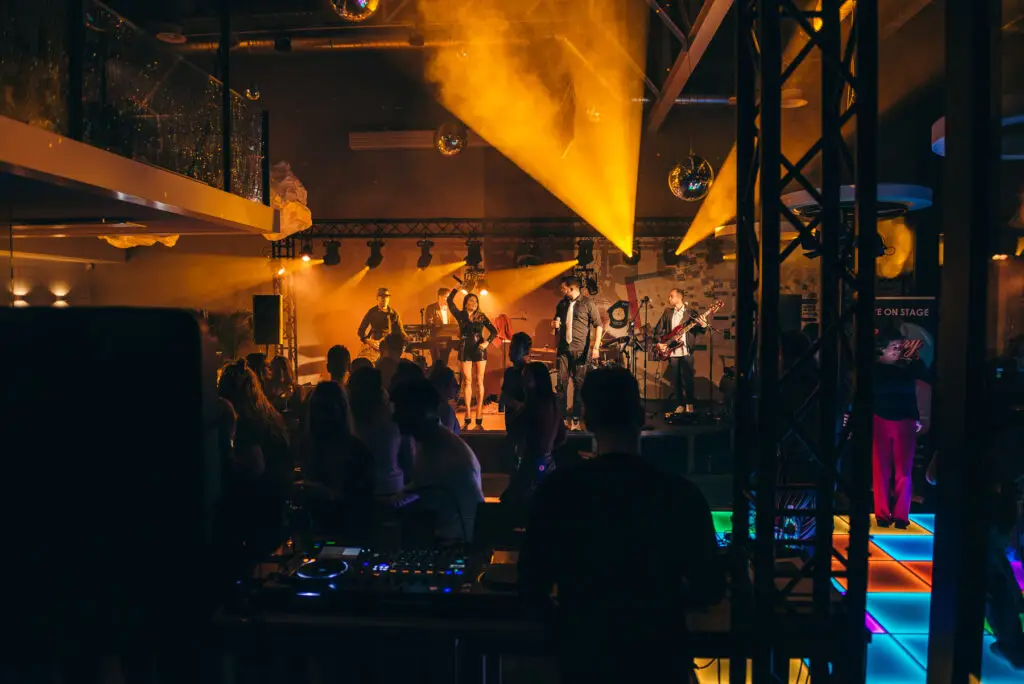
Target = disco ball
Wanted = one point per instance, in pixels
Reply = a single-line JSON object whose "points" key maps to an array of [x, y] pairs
{"points": [[355, 10], [691, 179], [451, 138]]}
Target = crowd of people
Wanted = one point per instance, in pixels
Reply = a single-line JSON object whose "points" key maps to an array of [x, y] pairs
{"points": [[359, 446]]}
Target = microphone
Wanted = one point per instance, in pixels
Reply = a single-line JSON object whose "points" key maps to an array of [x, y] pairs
{"points": [[645, 300], [457, 279]]}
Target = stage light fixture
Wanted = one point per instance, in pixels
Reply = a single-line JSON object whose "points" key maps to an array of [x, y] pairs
{"points": [[306, 250], [425, 256], [526, 255], [474, 253], [635, 259], [585, 253], [376, 255], [332, 253], [668, 252]]}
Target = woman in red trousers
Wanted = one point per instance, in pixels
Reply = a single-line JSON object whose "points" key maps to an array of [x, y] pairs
{"points": [[896, 424]]}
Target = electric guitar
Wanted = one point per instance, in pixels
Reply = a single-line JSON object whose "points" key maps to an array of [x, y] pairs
{"points": [[675, 337]]}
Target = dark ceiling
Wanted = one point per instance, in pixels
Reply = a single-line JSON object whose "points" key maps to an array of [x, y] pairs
{"points": [[316, 98]]}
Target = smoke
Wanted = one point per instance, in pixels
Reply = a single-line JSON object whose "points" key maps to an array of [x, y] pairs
{"points": [[552, 86]]}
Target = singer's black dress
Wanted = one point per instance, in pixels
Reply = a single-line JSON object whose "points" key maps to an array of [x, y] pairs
{"points": [[471, 330]]}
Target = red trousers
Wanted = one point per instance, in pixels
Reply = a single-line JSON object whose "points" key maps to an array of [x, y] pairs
{"points": [[893, 454]]}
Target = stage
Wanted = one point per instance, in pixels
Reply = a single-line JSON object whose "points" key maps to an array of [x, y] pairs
{"points": [[700, 448]]}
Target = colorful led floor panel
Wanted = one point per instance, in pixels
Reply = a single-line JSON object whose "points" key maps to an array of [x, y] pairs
{"points": [[898, 602]]}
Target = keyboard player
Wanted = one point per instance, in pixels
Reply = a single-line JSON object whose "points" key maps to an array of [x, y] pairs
{"points": [[444, 329]]}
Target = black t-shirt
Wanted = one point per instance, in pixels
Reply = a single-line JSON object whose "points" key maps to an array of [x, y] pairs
{"points": [[585, 318], [629, 548], [512, 388], [896, 391]]}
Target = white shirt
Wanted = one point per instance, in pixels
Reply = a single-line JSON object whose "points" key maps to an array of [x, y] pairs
{"points": [[568, 320], [444, 315], [678, 316]]}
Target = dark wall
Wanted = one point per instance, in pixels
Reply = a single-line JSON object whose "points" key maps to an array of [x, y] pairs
{"points": [[315, 100]]}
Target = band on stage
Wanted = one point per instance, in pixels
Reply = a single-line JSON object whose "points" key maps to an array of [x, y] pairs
{"points": [[578, 331]]}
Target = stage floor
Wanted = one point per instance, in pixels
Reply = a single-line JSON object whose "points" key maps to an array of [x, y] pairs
{"points": [[899, 599]]}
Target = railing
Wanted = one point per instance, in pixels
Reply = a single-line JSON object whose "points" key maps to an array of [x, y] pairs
{"points": [[104, 81]]}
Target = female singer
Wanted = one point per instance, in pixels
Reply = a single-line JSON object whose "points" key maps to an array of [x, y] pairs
{"points": [[473, 353]]}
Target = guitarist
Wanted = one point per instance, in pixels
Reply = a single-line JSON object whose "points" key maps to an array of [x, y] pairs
{"points": [[378, 323], [680, 361]]}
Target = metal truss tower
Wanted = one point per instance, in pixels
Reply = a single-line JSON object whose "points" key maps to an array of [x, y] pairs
{"points": [[281, 252], [793, 610]]}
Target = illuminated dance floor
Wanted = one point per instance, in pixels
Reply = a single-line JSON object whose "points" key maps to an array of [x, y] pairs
{"points": [[898, 602]]}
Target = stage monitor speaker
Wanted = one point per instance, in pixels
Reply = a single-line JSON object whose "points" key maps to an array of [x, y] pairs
{"points": [[790, 312], [267, 316], [116, 467]]}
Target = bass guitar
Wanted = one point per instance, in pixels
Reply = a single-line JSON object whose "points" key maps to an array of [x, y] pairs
{"points": [[675, 337]]}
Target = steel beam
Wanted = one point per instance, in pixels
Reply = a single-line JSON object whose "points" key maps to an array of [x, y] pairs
{"points": [[704, 29], [970, 209], [224, 69], [774, 404]]}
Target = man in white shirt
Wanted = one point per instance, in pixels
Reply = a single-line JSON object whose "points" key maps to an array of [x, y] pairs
{"points": [[443, 327], [680, 362], [446, 476]]}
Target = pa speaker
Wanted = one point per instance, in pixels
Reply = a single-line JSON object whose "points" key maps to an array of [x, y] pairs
{"points": [[267, 314]]}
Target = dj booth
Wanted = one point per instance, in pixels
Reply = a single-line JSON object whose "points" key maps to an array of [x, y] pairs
{"points": [[463, 604]]}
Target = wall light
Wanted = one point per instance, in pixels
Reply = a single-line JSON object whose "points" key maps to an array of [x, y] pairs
{"points": [[20, 303], [61, 303], [1000, 257]]}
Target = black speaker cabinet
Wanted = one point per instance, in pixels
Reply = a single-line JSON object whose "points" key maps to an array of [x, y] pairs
{"points": [[267, 317]]}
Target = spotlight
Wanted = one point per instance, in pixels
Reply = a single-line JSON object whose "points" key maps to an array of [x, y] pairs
{"points": [[474, 253], [306, 251], [425, 256], [1000, 257], [669, 253], [280, 271], [526, 255], [484, 292], [332, 253], [585, 253], [635, 259], [376, 257]]}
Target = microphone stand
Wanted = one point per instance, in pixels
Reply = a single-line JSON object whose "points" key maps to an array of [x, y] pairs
{"points": [[646, 303]]}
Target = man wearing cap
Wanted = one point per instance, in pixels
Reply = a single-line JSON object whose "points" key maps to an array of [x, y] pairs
{"points": [[378, 323]]}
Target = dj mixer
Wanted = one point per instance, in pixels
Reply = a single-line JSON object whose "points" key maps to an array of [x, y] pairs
{"points": [[332, 576]]}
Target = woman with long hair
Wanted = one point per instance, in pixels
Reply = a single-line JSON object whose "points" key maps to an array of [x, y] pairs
{"points": [[371, 422], [473, 354], [262, 450], [281, 387], [338, 459], [539, 431], [896, 424]]}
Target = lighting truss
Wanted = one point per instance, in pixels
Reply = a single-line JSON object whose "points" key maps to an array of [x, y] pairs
{"points": [[776, 614], [478, 228], [281, 252]]}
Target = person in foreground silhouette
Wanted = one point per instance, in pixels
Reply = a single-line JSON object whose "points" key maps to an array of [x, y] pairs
{"points": [[626, 547]]}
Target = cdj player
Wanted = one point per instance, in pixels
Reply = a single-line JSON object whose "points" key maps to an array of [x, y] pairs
{"points": [[338, 577]]}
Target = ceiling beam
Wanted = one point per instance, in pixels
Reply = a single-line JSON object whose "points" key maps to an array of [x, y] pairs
{"points": [[704, 29]]}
